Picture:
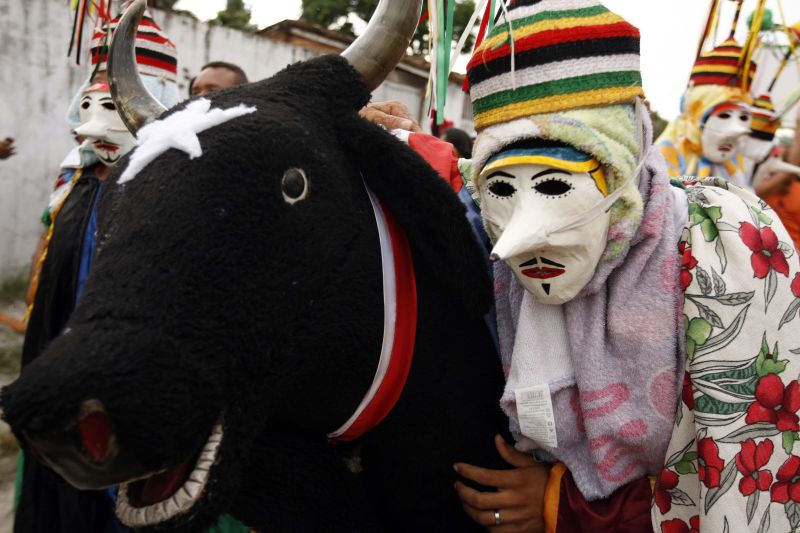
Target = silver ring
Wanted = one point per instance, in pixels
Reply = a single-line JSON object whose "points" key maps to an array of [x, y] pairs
{"points": [[497, 517]]}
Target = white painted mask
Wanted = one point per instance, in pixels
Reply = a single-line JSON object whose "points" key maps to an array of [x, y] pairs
{"points": [[724, 131], [547, 208], [102, 126]]}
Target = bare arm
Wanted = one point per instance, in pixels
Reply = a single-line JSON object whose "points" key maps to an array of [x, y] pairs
{"points": [[777, 182]]}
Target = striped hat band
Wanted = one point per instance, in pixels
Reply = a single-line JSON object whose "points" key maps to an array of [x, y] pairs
{"points": [[764, 125], [567, 54], [155, 53], [721, 66]]}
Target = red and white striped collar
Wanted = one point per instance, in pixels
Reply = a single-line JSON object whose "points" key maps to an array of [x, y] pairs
{"points": [[399, 328]]}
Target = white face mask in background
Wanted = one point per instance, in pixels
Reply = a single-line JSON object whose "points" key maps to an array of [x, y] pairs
{"points": [[724, 132], [102, 126]]}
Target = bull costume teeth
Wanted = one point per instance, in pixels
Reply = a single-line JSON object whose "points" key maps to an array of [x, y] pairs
{"points": [[183, 499]]}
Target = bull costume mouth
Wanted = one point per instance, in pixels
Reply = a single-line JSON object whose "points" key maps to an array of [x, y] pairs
{"points": [[168, 494]]}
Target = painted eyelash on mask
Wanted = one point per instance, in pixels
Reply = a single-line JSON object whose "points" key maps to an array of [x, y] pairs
{"points": [[501, 182]]}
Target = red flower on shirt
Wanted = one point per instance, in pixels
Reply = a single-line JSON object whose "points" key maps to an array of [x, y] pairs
{"points": [[709, 463], [667, 480], [688, 262], [749, 462], [766, 254], [787, 486], [676, 525], [796, 285], [775, 403], [687, 394]]}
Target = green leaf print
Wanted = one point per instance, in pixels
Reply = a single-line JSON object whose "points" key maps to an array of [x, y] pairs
{"points": [[789, 438], [768, 363], [698, 330], [706, 218]]}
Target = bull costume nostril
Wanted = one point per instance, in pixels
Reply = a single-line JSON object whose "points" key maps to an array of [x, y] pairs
{"points": [[94, 426]]}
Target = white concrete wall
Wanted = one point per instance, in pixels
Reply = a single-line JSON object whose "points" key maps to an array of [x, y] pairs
{"points": [[37, 82]]}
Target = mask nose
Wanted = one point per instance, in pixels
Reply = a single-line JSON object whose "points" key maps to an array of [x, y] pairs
{"points": [[93, 129], [524, 233], [740, 128]]}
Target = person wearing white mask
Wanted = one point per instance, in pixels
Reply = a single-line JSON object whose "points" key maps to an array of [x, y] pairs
{"points": [[643, 323], [46, 502], [708, 138]]}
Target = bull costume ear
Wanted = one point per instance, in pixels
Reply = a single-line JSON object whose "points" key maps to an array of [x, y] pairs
{"points": [[426, 207]]}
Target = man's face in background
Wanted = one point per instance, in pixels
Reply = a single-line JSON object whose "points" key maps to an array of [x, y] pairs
{"points": [[213, 79]]}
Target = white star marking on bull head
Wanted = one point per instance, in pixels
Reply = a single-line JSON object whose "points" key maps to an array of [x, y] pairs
{"points": [[178, 131]]}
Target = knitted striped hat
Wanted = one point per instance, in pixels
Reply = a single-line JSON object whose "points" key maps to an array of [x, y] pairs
{"points": [[567, 54], [764, 126], [722, 66], [155, 53]]}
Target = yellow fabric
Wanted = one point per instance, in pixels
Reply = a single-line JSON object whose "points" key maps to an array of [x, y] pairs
{"points": [[672, 157], [721, 69], [554, 104], [552, 497], [684, 133], [548, 25], [751, 44], [40, 262], [591, 167]]}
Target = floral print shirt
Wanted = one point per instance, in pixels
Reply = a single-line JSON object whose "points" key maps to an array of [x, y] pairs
{"points": [[733, 462]]}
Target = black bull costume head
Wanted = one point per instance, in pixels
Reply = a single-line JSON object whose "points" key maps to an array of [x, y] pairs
{"points": [[234, 316]]}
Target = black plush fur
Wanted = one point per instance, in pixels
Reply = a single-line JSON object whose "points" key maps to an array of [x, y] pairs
{"points": [[211, 298]]}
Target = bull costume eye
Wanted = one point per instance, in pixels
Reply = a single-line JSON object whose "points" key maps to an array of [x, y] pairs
{"points": [[294, 185]]}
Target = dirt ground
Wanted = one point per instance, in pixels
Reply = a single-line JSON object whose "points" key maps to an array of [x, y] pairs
{"points": [[10, 349]]}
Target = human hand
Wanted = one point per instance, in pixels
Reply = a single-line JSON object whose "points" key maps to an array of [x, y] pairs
{"points": [[391, 115], [7, 148], [519, 499], [773, 176]]}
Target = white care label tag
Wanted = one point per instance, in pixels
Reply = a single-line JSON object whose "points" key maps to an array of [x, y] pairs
{"points": [[535, 412]]}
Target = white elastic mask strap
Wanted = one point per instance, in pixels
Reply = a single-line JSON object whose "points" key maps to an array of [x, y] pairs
{"points": [[584, 218], [638, 124]]}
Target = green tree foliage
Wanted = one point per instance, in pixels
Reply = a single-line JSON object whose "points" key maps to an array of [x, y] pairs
{"points": [[333, 14], [659, 124], [235, 15], [169, 5]]}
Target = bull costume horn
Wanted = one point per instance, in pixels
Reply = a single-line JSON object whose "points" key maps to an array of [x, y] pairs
{"points": [[381, 47], [374, 54], [135, 104]]}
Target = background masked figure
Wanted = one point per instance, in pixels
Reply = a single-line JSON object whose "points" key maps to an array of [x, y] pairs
{"points": [[707, 138], [47, 503]]}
